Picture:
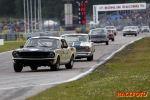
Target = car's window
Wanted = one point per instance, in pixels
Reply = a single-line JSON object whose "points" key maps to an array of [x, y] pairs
{"points": [[63, 43], [145, 27], [109, 31], [110, 27], [128, 27], [38, 42], [76, 38], [133, 27], [98, 32]]}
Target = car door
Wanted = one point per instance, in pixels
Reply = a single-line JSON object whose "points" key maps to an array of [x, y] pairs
{"points": [[65, 54]]}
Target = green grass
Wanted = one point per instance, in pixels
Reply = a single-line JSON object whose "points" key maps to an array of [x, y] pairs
{"points": [[10, 45], [127, 71]]}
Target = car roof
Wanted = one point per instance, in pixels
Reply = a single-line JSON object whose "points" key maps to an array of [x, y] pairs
{"points": [[109, 26], [98, 28], [145, 26], [43, 37], [74, 34]]}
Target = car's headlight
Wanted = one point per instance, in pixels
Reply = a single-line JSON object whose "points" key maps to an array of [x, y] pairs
{"points": [[51, 55], [15, 54]]}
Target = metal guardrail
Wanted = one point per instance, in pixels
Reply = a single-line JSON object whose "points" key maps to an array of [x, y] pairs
{"points": [[14, 37], [10, 37]]}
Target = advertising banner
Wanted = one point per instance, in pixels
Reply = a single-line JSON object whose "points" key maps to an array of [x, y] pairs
{"points": [[116, 7]]}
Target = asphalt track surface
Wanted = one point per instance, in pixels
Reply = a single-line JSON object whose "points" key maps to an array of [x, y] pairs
{"points": [[19, 86]]}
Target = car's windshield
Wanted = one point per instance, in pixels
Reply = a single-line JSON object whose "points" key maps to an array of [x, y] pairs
{"points": [[145, 27], [44, 42], [130, 27], [98, 32], [76, 38], [109, 27], [109, 31]]}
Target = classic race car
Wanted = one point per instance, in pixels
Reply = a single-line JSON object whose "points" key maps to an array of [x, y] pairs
{"points": [[130, 30], [85, 48], [99, 35], [111, 34], [112, 28], [44, 51], [145, 29]]}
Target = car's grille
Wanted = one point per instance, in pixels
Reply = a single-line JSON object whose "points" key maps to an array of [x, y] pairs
{"points": [[80, 49], [34, 54], [130, 31]]}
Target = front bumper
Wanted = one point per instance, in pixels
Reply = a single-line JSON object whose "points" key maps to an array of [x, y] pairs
{"points": [[34, 61], [129, 33], [145, 30], [84, 54]]}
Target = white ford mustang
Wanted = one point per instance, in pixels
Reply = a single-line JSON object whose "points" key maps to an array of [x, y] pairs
{"points": [[130, 30]]}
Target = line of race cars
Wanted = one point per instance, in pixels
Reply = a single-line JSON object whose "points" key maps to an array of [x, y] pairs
{"points": [[55, 51]]}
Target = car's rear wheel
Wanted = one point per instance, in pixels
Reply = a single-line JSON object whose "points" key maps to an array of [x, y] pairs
{"points": [[70, 64], [113, 39], [18, 67], [56, 66], [33, 67], [124, 35], [107, 42], [135, 34], [90, 58]]}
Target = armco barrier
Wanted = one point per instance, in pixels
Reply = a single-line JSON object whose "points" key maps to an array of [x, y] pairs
{"points": [[13, 37], [10, 37], [55, 33]]}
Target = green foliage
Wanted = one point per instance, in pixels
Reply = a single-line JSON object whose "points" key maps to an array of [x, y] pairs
{"points": [[51, 8]]}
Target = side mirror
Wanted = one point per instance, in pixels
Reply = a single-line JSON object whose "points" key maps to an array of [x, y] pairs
{"points": [[21, 46]]}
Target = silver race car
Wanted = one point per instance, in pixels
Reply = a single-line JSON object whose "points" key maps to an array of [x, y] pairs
{"points": [[84, 47]]}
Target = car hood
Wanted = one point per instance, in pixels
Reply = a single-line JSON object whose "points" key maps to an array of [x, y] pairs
{"points": [[33, 49], [77, 44]]}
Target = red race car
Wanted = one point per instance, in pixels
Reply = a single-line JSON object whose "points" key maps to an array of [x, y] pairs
{"points": [[111, 35]]}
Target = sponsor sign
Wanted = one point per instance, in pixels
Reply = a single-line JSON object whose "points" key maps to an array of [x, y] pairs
{"points": [[1, 41], [113, 7], [116, 7]]}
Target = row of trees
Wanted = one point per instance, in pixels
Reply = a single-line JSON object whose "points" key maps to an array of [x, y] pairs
{"points": [[52, 8]]}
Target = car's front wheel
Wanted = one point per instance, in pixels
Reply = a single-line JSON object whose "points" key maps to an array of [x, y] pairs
{"points": [[90, 58], [70, 64], [55, 67], [33, 67], [18, 67], [107, 42]]}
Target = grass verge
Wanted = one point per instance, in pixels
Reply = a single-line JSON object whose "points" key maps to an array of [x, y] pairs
{"points": [[127, 71], [10, 45]]}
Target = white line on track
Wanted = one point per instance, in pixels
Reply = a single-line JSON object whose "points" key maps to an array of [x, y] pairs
{"points": [[80, 75]]}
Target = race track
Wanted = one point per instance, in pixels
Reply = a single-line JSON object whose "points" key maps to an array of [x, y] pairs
{"points": [[19, 86]]}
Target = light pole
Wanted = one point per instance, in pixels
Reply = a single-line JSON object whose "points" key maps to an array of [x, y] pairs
{"points": [[28, 15], [24, 16], [31, 16], [35, 14]]}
